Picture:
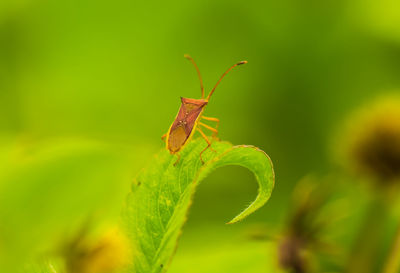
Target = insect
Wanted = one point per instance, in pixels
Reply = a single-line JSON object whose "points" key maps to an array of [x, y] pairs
{"points": [[188, 119]]}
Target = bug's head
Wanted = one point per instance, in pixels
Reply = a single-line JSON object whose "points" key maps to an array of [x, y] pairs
{"points": [[201, 80]]}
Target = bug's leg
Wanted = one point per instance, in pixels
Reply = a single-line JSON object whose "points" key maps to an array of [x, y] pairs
{"points": [[211, 119], [208, 144], [178, 159], [163, 137], [216, 126], [214, 130], [208, 127]]}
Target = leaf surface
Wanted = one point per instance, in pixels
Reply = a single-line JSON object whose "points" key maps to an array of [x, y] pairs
{"points": [[161, 196]]}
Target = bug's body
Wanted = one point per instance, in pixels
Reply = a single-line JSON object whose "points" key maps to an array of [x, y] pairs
{"points": [[188, 119], [185, 123]]}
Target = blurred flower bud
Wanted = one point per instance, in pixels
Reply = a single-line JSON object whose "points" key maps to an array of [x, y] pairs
{"points": [[312, 211], [372, 141], [292, 254]]}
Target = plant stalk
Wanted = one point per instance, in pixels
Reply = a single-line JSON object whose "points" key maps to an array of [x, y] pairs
{"points": [[363, 257], [392, 264]]}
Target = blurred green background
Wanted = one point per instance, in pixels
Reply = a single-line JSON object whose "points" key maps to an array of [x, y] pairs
{"points": [[90, 86]]}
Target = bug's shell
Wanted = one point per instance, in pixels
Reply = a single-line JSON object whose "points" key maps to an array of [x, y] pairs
{"points": [[184, 125]]}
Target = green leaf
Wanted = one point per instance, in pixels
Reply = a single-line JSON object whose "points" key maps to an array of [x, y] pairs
{"points": [[162, 193]]}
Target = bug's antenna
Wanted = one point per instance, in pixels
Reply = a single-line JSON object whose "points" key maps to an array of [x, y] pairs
{"points": [[223, 75], [198, 73]]}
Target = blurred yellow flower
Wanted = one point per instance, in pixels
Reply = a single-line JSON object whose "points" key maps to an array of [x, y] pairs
{"points": [[107, 254]]}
